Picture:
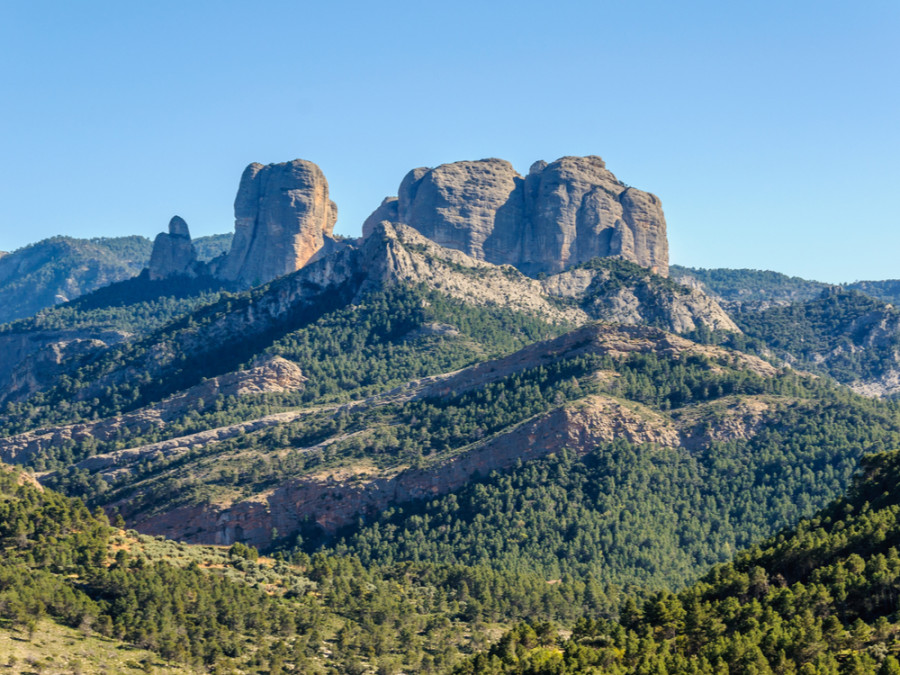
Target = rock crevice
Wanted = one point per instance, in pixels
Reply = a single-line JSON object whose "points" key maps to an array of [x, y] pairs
{"points": [[561, 214], [283, 217]]}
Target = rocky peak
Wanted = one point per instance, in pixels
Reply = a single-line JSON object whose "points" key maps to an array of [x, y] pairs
{"points": [[282, 218], [562, 214], [607, 290], [173, 252]]}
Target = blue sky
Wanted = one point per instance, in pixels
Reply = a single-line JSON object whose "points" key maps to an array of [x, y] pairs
{"points": [[770, 130]]}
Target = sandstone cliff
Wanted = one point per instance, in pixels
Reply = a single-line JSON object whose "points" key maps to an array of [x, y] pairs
{"points": [[173, 252], [560, 215], [282, 218]]}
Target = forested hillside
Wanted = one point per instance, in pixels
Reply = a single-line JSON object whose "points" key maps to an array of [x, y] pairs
{"points": [[431, 449], [673, 428], [818, 598], [849, 332], [686, 462], [135, 305], [750, 286], [625, 513], [229, 610], [850, 336], [62, 268], [887, 291]]}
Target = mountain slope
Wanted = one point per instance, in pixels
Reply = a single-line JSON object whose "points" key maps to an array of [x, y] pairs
{"points": [[845, 334], [740, 287], [77, 595], [850, 332], [820, 598], [378, 413], [219, 337], [61, 268], [397, 374], [639, 492], [699, 432], [886, 291], [58, 269]]}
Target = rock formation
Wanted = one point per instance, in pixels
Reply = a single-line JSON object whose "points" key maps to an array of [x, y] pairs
{"points": [[560, 215], [173, 252], [282, 219]]}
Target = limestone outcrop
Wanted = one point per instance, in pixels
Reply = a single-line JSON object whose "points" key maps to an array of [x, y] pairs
{"points": [[561, 214], [282, 219], [173, 252]]}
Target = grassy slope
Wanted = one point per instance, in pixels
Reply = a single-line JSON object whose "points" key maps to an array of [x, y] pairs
{"points": [[52, 648]]}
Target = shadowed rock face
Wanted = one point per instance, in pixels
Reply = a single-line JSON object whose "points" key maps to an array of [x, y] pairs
{"points": [[173, 252], [283, 217], [560, 215]]}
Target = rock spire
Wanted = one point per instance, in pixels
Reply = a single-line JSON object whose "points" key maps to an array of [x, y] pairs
{"points": [[173, 252]]}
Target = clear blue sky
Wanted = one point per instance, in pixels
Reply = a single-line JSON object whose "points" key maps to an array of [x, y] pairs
{"points": [[770, 130]]}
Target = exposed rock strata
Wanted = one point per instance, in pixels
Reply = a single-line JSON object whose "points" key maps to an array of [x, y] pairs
{"points": [[282, 218], [638, 299], [400, 253], [560, 215], [333, 502], [268, 375], [601, 339], [616, 341], [120, 463], [173, 252], [397, 253]]}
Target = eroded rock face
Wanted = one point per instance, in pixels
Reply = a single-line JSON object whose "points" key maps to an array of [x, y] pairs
{"points": [[271, 374], [282, 218], [560, 215], [173, 252]]}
